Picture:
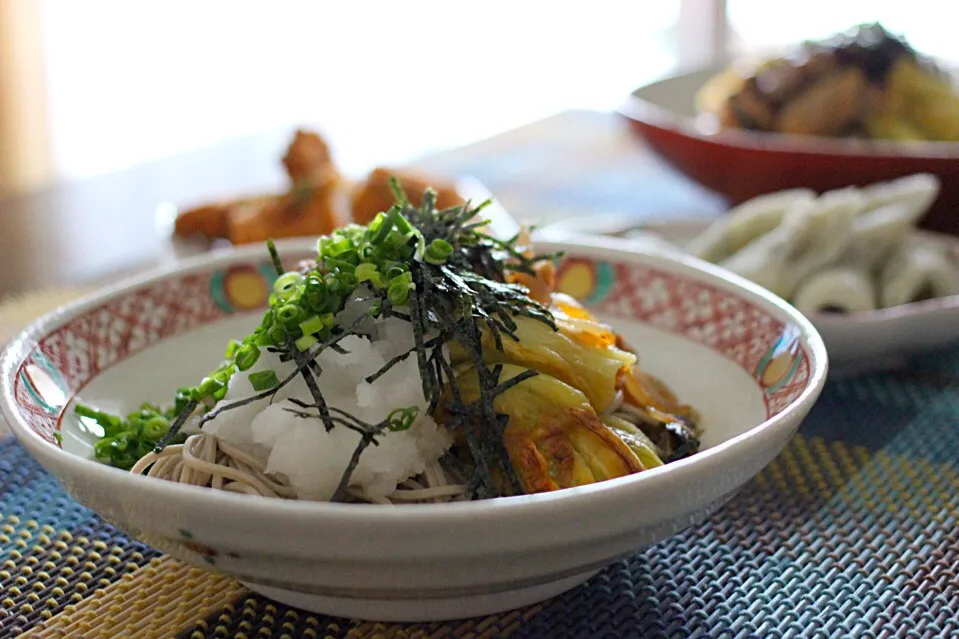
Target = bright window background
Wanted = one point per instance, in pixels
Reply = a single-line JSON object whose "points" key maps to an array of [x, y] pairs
{"points": [[386, 81], [762, 25]]}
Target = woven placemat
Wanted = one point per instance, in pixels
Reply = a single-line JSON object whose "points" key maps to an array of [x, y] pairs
{"points": [[851, 532]]}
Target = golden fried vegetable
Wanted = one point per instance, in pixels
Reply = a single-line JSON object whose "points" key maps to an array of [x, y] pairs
{"points": [[554, 438], [656, 411], [567, 354], [636, 439], [540, 284], [650, 393]]}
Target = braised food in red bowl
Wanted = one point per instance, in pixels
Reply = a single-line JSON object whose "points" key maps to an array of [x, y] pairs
{"points": [[842, 120]]}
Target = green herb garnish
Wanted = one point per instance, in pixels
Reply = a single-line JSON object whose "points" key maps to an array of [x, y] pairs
{"points": [[126, 440]]}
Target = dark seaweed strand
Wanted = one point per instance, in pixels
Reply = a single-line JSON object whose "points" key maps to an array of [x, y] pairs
{"points": [[340, 493], [319, 402], [419, 328], [452, 301], [176, 426]]}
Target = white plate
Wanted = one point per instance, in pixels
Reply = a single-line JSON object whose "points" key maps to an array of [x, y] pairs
{"points": [[857, 342]]}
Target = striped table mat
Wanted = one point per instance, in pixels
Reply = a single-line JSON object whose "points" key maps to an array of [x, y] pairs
{"points": [[852, 532]]}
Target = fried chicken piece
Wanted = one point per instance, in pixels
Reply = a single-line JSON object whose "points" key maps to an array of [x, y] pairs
{"points": [[374, 194]]}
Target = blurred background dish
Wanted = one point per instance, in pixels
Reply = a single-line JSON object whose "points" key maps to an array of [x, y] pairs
{"points": [[878, 290], [856, 108]]}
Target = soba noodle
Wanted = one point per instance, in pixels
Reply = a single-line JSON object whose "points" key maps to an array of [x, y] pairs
{"points": [[206, 460]]}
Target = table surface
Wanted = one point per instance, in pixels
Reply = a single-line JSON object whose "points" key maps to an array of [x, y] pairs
{"points": [[853, 531]]}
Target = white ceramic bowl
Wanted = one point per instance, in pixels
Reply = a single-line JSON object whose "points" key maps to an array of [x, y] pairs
{"points": [[750, 363]]}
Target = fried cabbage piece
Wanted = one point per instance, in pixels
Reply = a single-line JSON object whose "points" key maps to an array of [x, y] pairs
{"points": [[553, 436], [582, 354]]}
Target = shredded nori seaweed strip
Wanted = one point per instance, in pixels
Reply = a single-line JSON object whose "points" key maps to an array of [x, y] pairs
{"points": [[176, 426]]}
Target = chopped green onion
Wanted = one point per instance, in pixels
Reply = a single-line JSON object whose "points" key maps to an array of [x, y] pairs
{"points": [[441, 247], [275, 257], [395, 270], [264, 380], [399, 222], [337, 264], [312, 325], [405, 278], [183, 397], [348, 281], [398, 193], [157, 427], [278, 335], [247, 356], [287, 284], [398, 294], [306, 342], [364, 272], [382, 224], [420, 250], [103, 419], [231, 349], [288, 313], [367, 252], [208, 386], [402, 418], [368, 273]]}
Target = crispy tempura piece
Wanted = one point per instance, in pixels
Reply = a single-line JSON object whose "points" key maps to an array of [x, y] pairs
{"points": [[305, 211], [374, 194], [210, 221], [213, 220], [308, 159], [308, 208]]}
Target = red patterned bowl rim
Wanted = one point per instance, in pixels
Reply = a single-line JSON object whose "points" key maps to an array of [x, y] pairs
{"points": [[783, 401]]}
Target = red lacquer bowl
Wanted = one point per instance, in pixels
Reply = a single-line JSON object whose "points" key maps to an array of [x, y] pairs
{"points": [[740, 164]]}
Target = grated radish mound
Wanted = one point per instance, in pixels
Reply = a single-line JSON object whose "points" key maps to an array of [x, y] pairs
{"points": [[303, 451]]}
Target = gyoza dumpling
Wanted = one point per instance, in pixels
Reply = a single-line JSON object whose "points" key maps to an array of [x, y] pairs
{"points": [[745, 223], [892, 209], [917, 271], [842, 289], [823, 240], [919, 191], [764, 260]]}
